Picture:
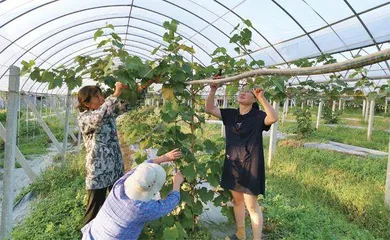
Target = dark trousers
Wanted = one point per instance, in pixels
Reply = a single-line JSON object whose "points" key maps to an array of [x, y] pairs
{"points": [[95, 200]]}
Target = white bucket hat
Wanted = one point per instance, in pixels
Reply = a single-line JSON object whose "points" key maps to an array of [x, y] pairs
{"points": [[145, 182]]}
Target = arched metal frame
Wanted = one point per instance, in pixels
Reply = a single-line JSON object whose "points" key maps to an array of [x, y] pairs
{"points": [[357, 15], [97, 51], [79, 50], [107, 19], [93, 54]]}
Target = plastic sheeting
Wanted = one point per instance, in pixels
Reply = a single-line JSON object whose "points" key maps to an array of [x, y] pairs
{"points": [[54, 32]]}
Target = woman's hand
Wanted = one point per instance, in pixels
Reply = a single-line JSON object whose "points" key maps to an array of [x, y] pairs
{"points": [[118, 88], [172, 155], [178, 179], [259, 93], [215, 86]]}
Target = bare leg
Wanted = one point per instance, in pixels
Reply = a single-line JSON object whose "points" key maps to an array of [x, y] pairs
{"points": [[239, 213], [256, 215]]}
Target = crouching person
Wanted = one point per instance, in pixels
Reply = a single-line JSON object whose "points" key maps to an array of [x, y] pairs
{"points": [[131, 204]]}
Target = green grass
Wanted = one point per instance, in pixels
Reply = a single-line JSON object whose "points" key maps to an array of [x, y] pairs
{"points": [[59, 211], [60, 207], [317, 194], [356, 137], [33, 140], [380, 122], [311, 194]]}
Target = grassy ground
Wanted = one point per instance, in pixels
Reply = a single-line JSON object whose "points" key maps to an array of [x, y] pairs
{"points": [[356, 137], [311, 194], [317, 194], [33, 139], [353, 118]]}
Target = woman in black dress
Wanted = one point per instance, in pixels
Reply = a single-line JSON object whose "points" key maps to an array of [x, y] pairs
{"points": [[244, 171]]}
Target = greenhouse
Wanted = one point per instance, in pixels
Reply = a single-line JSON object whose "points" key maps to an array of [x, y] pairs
{"points": [[194, 119]]}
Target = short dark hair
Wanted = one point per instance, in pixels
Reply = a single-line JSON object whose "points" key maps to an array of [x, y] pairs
{"points": [[85, 94]]}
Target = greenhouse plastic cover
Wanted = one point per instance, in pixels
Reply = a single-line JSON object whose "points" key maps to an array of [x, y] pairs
{"points": [[54, 32]]}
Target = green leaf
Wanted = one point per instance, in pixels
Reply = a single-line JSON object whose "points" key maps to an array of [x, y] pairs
{"points": [[189, 172], [237, 49], [133, 63], [246, 36], [168, 220], [213, 179], [155, 50], [36, 75], [221, 50], [279, 83], [186, 48], [179, 76], [140, 157], [166, 25], [57, 82], [110, 26], [181, 230], [110, 81], [248, 23], [235, 38], [171, 233], [97, 34], [235, 28], [205, 195], [102, 43], [209, 146], [372, 96], [117, 44], [259, 63], [187, 68], [116, 37], [145, 144], [219, 200], [26, 67], [354, 74]]}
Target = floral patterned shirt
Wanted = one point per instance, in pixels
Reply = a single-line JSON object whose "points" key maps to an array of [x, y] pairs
{"points": [[104, 163]]}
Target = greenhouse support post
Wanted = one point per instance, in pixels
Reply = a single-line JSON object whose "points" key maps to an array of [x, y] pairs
{"points": [[371, 120], [66, 125], [10, 153], [225, 105], [385, 105], [273, 137], [387, 188], [334, 106], [320, 105], [364, 108], [340, 105], [285, 106], [367, 111]]}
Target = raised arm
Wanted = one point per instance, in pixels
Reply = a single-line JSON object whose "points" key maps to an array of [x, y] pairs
{"points": [[91, 120], [272, 115], [163, 207], [210, 107], [168, 157]]}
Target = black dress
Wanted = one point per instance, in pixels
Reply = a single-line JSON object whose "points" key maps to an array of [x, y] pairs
{"points": [[244, 169]]}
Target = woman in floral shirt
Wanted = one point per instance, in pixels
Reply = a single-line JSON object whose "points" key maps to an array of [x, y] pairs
{"points": [[104, 159]]}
